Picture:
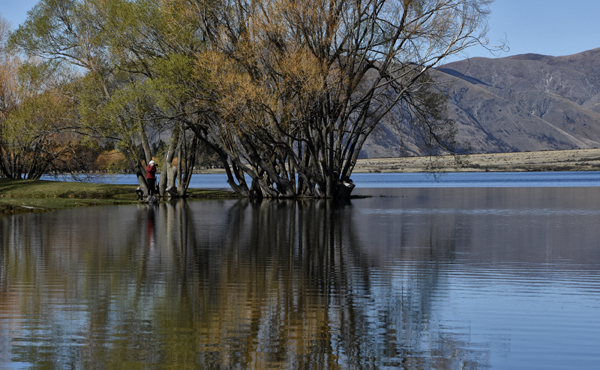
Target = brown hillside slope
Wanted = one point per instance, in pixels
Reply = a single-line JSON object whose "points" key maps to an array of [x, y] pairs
{"points": [[522, 103]]}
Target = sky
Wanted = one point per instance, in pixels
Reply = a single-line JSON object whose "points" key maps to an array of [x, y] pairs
{"points": [[548, 27]]}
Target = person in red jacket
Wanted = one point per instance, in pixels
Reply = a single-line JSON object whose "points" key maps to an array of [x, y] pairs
{"points": [[151, 177]]}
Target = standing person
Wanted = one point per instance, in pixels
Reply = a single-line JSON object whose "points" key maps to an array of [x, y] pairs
{"points": [[151, 177]]}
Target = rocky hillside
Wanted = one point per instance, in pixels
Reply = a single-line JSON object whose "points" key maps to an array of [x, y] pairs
{"points": [[527, 102]]}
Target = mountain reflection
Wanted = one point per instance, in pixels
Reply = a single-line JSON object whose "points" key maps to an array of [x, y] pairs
{"points": [[220, 284]]}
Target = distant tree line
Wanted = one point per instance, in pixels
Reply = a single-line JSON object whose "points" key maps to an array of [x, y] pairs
{"points": [[282, 92]]}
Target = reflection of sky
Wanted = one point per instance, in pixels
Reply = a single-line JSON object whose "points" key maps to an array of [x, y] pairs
{"points": [[484, 212], [518, 317], [515, 273], [539, 323]]}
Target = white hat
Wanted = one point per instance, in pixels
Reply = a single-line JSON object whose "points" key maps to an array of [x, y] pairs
{"points": [[151, 162]]}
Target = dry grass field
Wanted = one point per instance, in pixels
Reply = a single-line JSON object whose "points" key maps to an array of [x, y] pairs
{"points": [[560, 160]]}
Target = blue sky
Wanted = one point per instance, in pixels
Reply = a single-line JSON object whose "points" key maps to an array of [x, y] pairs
{"points": [[549, 27]]}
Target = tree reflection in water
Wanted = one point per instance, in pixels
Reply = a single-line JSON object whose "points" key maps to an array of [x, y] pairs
{"points": [[216, 284]]}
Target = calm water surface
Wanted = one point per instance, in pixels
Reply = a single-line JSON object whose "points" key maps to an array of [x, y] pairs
{"points": [[445, 278], [414, 180]]}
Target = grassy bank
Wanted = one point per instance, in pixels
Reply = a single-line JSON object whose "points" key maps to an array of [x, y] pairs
{"points": [[37, 196]]}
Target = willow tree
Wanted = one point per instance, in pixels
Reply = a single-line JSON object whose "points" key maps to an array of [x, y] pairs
{"points": [[9, 97], [36, 120], [294, 88], [151, 43], [120, 92], [286, 92]]}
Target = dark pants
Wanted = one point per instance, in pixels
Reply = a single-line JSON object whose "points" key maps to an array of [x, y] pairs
{"points": [[151, 186]]}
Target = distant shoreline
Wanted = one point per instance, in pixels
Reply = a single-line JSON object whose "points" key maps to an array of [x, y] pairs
{"points": [[30, 195], [556, 160], [552, 160]]}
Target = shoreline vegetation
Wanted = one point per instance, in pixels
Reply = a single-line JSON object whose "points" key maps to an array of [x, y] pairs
{"points": [[18, 196]]}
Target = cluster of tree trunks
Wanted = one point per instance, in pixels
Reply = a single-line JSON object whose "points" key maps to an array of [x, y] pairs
{"points": [[284, 92]]}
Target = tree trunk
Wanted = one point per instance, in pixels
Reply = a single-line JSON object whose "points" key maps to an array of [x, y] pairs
{"points": [[167, 178], [145, 144], [141, 176], [187, 166]]}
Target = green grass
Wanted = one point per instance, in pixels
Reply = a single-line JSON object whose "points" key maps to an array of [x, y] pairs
{"points": [[36, 195]]}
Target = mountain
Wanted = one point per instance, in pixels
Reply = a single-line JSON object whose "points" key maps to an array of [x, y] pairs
{"points": [[527, 102]]}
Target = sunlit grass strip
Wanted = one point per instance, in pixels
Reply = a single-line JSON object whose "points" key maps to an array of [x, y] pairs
{"points": [[60, 189], [37, 196]]}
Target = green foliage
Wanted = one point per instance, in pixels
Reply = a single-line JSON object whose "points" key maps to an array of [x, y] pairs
{"points": [[172, 82], [50, 31], [41, 132]]}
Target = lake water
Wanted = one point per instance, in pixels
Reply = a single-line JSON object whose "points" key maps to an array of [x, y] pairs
{"points": [[412, 180], [409, 278]]}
